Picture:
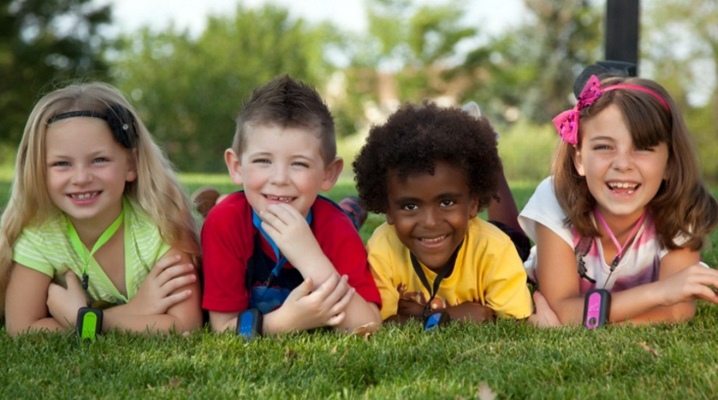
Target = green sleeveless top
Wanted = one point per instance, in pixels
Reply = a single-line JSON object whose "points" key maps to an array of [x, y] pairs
{"points": [[47, 248]]}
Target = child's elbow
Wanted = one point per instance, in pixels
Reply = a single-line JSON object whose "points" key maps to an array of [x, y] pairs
{"points": [[13, 331], [366, 322], [683, 312], [190, 324]]}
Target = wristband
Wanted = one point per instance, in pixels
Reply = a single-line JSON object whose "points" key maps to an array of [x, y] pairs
{"points": [[89, 323], [432, 321], [249, 323], [596, 308]]}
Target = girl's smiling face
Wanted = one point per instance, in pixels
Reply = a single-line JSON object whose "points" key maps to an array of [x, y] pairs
{"points": [[431, 212], [621, 177], [86, 170]]}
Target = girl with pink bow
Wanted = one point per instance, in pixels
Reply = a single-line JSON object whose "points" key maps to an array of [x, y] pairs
{"points": [[625, 210]]}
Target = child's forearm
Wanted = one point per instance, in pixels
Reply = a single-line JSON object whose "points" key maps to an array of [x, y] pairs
{"points": [[45, 324], [317, 268], [471, 312], [359, 312], [642, 305], [401, 319], [162, 323], [669, 314], [636, 305]]}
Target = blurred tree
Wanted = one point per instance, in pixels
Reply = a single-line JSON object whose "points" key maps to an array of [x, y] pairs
{"points": [[44, 43], [190, 89], [680, 47], [528, 71], [408, 54]]}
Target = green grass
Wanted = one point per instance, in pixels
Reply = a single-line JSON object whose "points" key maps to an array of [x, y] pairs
{"points": [[511, 360]]}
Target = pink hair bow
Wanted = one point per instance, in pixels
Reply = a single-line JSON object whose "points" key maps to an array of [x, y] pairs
{"points": [[566, 123]]}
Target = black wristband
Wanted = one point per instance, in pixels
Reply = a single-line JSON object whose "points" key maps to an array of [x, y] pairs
{"points": [[249, 323], [89, 323]]}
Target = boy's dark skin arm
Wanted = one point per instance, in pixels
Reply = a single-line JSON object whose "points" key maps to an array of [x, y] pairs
{"points": [[469, 312]]}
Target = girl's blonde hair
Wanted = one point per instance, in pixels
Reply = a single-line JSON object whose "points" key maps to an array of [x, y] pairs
{"points": [[156, 190], [683, 204]]}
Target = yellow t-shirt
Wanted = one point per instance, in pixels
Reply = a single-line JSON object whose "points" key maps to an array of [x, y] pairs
{"points": [[488, 270]]}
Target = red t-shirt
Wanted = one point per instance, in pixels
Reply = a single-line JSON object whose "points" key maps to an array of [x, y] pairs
{"points": [[228, 243]]}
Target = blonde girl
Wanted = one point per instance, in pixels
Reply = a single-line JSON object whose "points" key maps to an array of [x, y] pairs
{"points": [[96, 217]]}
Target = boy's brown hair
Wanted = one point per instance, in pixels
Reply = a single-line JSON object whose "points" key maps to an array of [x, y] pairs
{"points": [[287, 103]]}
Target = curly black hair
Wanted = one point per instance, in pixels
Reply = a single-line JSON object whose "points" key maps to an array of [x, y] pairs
{"points": [[414, 139]]}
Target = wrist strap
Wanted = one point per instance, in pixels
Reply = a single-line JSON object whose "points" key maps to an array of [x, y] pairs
{"points": [[249, 323], [89, 323]]}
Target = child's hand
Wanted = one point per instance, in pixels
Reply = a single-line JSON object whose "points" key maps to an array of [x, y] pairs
{"points": [[544, 317], [290, 231], [63, 304], [158, 291], [305, 309], [693, 282], [410, 308], [470, 311]]}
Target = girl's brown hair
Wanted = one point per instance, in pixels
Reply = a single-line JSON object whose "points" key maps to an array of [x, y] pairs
{"points": [[683, 204]]}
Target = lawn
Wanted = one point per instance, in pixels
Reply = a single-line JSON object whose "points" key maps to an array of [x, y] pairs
{"points": [[505, 359]]}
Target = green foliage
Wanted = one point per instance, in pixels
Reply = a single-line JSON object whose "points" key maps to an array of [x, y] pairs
{"points": [[508, 359], [43, 44], [189, 89], [688, 74], [419, 42], [528, 71], [526, 151]]}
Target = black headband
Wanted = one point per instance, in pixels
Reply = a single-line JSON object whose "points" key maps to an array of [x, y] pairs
{"points": [[120, 119]]}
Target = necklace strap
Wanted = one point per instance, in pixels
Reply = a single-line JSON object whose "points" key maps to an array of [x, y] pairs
{"points": [[81, 249], [630, 237], [443, 273]]}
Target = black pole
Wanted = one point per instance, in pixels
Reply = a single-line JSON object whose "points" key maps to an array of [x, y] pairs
{"points": [[622, 27]]}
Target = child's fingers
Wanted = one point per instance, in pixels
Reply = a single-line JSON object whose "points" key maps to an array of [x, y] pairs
{"points": [[339, 290], [337, 319], [178, 281], [284, 212], [544, 316], [72, 281], [164, 263], [280, 216], [325, 293], [343, 302], [300, 291], [176, 298], [174, 271]]}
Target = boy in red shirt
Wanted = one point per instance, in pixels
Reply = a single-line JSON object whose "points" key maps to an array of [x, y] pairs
{"points": [[277, 247]]}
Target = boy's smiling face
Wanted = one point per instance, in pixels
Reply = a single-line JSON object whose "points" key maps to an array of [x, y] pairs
{"points": [[431, 212], [282, 165]]}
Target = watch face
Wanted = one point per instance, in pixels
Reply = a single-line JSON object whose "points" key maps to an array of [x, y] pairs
{"points": [[249, 323], [89, 323], [434, 320]]}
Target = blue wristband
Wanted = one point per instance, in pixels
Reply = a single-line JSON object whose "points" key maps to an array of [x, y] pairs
{"points": [[249, 323]]}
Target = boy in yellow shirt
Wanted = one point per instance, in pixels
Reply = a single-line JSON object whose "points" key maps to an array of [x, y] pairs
{"points": [[431, 170]]}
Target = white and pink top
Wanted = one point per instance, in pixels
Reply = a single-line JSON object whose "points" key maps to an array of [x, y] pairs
{"points": [[639, 263]]}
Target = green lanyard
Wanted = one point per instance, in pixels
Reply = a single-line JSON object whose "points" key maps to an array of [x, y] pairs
{"points": [[81, 249]]}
